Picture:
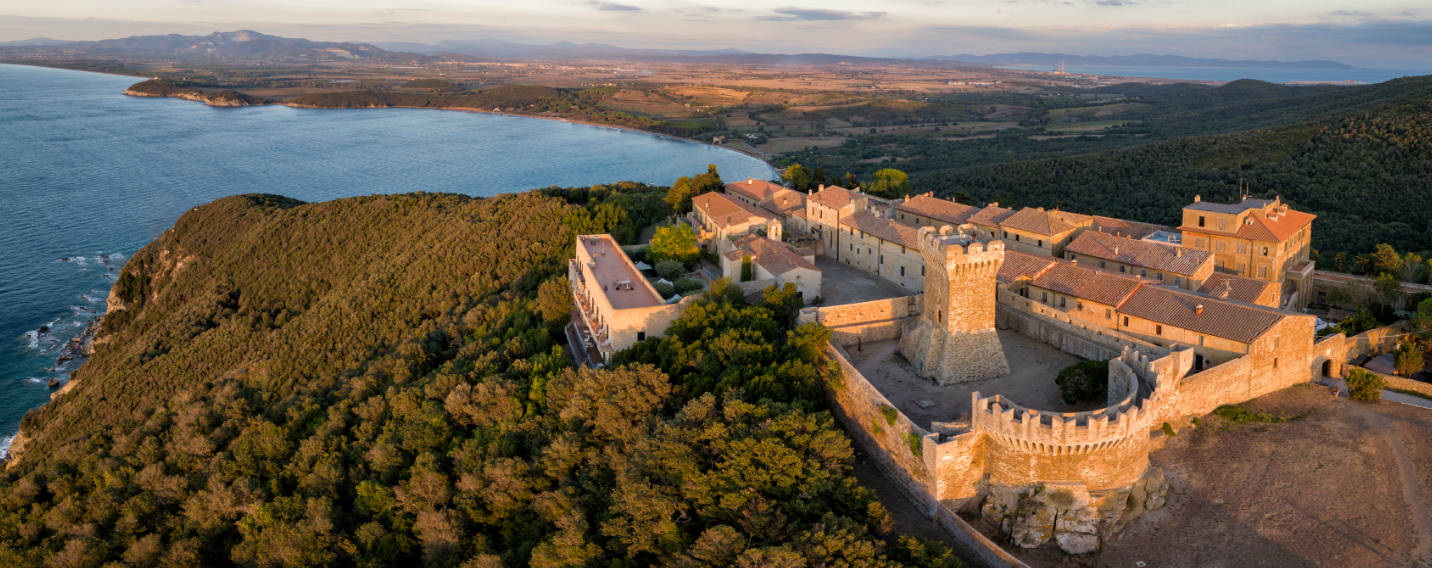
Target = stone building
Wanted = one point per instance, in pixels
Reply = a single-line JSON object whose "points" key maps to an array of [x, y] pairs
{"points": [[1255, 238], [774, 261], [1039, 231], [1178, 266], [882, 247], [955, 340], [783, 202], [614, 305], [719, 219], [1243, 289], [926, 210]]}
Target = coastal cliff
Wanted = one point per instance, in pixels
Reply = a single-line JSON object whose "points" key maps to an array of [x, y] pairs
{"points": [[180, 90]]}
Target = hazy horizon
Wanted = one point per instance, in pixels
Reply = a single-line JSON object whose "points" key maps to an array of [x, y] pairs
{"points": [[1382, 34]]}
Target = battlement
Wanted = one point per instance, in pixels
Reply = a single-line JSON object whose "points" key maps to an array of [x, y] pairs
{"points": [[1066, 433], [946, 245]]}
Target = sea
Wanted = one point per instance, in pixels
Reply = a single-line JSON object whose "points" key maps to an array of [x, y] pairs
{"points": [[88, 176], [1293, 75]]}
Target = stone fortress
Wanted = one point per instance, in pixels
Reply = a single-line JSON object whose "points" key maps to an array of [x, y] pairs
{"points": [[1184, 328]]}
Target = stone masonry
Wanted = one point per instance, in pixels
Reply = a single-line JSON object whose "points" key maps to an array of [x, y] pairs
{"points": [[955, 339]]}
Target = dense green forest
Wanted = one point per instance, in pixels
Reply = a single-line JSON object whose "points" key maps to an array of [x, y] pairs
{"points": [[378, 381], [1359, 157]]}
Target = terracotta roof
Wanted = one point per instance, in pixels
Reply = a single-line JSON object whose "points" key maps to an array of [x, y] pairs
{"points": [[1125, 228], [1261, 219], [939, 209], [725, 212], [1231, 320], [1018, 265], [786, 202], [775, 256], [1042, 221], [886, 229], [832, 196], [1233, 287], [990, 216], [1094, 285], [756, 189], [1147, 254]]}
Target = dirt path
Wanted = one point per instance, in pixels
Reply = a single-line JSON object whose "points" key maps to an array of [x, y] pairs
{"points": [[1392, 434]]}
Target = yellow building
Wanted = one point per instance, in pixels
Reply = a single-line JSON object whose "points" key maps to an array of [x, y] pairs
{"points": [[1256, 238], [926, 210], [719, 219], [1039, 231]]}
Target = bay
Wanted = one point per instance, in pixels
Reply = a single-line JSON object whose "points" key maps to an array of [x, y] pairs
{"points": [[88, 176]]}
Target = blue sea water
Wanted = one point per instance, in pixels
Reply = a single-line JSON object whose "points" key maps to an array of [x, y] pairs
{"points": [[1225, 74], [88, 176]]}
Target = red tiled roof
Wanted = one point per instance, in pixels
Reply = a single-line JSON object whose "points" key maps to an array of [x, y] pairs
{"points": [[1240, 322], [1233, 287], [1044, 222], [756, 189], [786, 202], [725, 212], [938, 209], [1165, 258], [886, 229], [777, 257], [1018, 265], [990, 216], [832, 196], [1086, 283], [1125, 228], [1263, 220]]}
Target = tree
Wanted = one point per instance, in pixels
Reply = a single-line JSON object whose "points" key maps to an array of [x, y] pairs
{"points": [[669, 269], [1408, 359], [674, 242], [1389, 288], [1365, 385], [747, 270], [889, 182], [850, 181], [963, 197], [797, 177], [687, 187], [1083, 381]]}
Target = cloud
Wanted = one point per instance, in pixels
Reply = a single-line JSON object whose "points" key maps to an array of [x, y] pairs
{"points": [[1116, 3], [615, 7], [819, 15]]}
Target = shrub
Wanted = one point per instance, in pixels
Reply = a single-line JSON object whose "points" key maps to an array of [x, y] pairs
{"points": [[666, 289], [669, 269], [747, 270], [1365, 385], [1408, 359], [913, 440], [688, 285], [891, 415], [1083, 381], [673, 242], [1167, 429]]}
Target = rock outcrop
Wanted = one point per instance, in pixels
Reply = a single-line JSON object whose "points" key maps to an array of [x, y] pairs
{"points": [[1077, 521]]}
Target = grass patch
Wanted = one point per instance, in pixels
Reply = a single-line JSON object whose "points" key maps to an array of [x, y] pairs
{"points": [[1082, 127], [1410, 392], [891, 415], [916, 447], [1239, 415]]}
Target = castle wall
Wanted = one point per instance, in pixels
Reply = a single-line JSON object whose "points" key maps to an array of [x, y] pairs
{"points": [[876, 320], [1281, 358], [1337, 349], [1058, 330], [859, 406]]}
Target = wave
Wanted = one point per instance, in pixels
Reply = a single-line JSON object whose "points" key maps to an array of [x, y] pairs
{"points": [[33, 337], [5, 442], [91, 299]]}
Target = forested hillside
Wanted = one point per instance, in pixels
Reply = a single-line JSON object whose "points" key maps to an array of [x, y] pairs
{"points": [[1367, 174], [377, 381]]}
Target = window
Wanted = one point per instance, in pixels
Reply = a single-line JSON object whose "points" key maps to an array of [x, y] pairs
{"points": [[1061, 302], [922, 270], [1039, 243], [1198, 243], [1265, 251], [1016, 237], [1177, 281], [1160, 277], [1123, 268], [1262, 272], [1102, 264], [1126, 321], [902, 271], [1200, 220], [1158, 330], [1222, 246], [1044, 297], [1275, 362], [1144, 273], [882, 259], [1223, 224], [1108, 313], [641, 336], [1242, 248]]}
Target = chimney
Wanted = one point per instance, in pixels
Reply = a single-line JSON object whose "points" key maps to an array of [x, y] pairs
{"points": [[750, 181], [1198, 310], [1116, 250], [1197, 198], [1177, 252]]}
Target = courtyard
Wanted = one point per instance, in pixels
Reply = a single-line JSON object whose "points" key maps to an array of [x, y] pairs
{"points": [[1033, 366], [843, 284]]}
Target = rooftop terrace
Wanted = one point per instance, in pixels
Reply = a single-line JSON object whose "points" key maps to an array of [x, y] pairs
{"points": [[614, 274]]}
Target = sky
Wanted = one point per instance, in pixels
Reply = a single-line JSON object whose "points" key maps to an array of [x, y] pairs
{"points": [[1386, 34]]}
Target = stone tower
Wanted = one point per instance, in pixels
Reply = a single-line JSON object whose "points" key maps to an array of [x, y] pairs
{"points": [[955, 340]]}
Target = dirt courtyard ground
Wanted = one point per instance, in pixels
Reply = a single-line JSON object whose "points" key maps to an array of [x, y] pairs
{"points": [[1349, 484], [841, 283], [1033, 366]]}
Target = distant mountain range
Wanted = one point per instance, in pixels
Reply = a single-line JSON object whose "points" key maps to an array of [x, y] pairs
{"points": [[243, 46], [500, 49], [1141, 59], [34, 41]]}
